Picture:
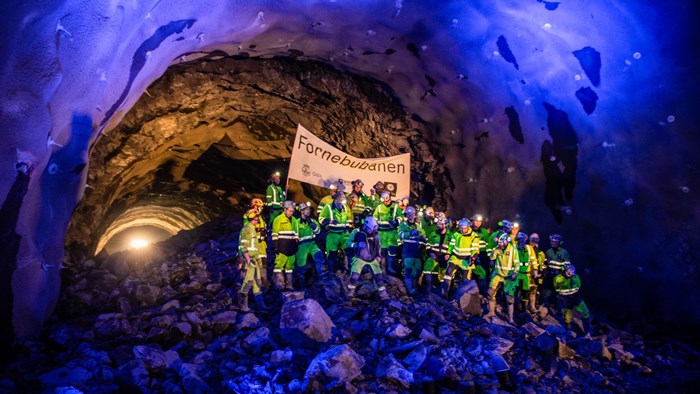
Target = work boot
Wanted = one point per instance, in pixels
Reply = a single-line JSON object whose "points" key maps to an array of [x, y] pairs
{"points": [[390, 269], [409, 285], [300, 274], [260, 302], [243, 302], [428, 281], [351, 291], [263, 274], [278, 279], [331, 261], [445, 288], [492, 308], [289, 277], [533, 301], [511, 309], [383, 295]]}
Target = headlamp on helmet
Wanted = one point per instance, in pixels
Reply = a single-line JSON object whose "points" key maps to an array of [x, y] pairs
{"points": [[251, 214], [504, 239], [506, 225], [569, 270], [409, 211], [370, 225]]}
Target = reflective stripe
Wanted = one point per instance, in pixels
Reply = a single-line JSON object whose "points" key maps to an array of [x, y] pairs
{"points": [[567, 291], [276, 270], [352, 287], [383, 288], [447, 277]]}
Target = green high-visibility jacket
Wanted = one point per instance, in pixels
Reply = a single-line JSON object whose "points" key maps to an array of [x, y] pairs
{"points": [[337, 220], [274, 196], [385, 214], [505, 261], [285, 234], [248, 241], [557, 259], [308, 229], [412, 245], [464, 246]]}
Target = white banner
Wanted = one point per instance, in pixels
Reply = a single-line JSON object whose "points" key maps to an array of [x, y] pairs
{"points": [[316, 162]]}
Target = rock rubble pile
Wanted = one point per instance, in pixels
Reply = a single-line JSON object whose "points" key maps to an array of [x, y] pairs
{"points": [[166, 321]]}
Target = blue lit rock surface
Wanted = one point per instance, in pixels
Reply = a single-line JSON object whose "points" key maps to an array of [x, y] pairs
{"points": [[624, 195]]}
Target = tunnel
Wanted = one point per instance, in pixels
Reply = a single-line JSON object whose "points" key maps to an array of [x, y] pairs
{"points": [[151, 119]]}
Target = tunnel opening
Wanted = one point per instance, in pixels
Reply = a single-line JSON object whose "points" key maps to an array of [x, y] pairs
{"points": [[205, 137]]}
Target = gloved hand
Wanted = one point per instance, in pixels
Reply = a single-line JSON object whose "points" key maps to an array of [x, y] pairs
{"points": [[313, 225], [360, 245], [334, 221], [263, 233], [415, 233], [433, 256], [393, 223]]}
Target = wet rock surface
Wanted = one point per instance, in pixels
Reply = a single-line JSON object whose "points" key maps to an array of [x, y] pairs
{"points": [[133, 324]]}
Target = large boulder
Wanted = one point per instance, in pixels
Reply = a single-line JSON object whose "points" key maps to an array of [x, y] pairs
{"points": [[305, 323], [339, 363], [467, 296]]}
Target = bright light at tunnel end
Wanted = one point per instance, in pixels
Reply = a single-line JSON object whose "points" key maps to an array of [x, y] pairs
{"points": [[138, 243]]}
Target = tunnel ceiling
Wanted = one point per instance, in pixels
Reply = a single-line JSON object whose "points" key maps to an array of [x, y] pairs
{"points": [[206, 136]]}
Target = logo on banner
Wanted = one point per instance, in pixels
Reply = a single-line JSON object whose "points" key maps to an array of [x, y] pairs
{"points": [[306, 170], [391, 188]]}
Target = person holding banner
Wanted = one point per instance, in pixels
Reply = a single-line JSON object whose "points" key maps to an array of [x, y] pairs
{"points": [[274, 196], [285, 235], [375, 197], [326, 200], [388, 215], [337, 219]]}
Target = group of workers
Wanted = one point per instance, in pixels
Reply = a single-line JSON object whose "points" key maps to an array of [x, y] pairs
{"points": [[373, 232]]}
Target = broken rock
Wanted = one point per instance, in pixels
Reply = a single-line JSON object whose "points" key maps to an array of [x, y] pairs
{"points": [[305, 323]]}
